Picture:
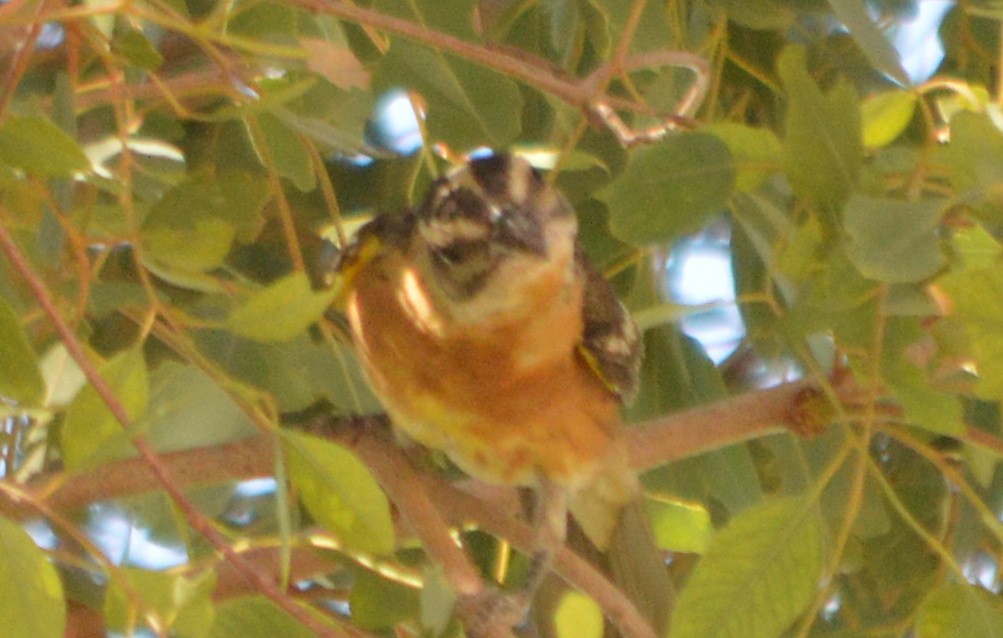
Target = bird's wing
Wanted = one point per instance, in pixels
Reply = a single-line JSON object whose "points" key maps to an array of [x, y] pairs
{"points": [[611, 343]]}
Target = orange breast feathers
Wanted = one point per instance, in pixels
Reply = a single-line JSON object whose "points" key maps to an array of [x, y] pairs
{"points": [[508, 397]]}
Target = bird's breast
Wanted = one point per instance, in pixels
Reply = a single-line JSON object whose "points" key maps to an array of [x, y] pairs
{"points": [[506, 398]]}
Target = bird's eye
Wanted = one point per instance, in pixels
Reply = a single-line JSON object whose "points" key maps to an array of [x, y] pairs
{"points": [[447, 256], [456, 252]]}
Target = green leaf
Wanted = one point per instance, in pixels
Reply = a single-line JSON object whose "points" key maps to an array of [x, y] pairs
{"points": [[837, 298], [339, 492], [578, 616], [757, 14], [567, 33], [197, 249], [468, 105], [20, 379], [90, 426], [956, 609], [653, 29], [886, 115], [188, 409], [854, 14], [333, 118], [281, 310], [62, 375], [135, 47], [31, 594], [234, 196], [670, 189], [923, 404], [297, 373], [378, 602], [573, 25], [892, 240], [975, 152], [36, 145], [286, 151], [255, 617], [976, 305], [823, 141], [680, 526], [802, 252], [181, 604], [759, 574], [269, 21], [438, 600], [973, 247], [757, 152]]}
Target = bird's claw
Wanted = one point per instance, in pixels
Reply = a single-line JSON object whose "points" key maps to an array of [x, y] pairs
{"points": [[492, 613]]}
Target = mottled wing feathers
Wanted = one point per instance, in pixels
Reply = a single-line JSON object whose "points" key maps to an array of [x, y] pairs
{"points": [[611, 343]]}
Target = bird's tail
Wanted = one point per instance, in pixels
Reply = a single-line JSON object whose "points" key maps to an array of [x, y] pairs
{"points": [[637, 566], [612, 514]]}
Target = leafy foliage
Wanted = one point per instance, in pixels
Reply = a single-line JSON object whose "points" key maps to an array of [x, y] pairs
{"points": [[168, 171]]}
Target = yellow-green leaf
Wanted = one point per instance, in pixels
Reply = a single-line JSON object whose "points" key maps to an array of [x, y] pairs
{"points": [[20, 378], [924, 404], [954, 610], [339, 492], [183, 604], [757, 152], [287, 152], [578, 616], [90, 428], [759, 574], [886, 115], [255, 617], [135, 47], [975, 153], [36, 145], [31, 594], [976, 306], [680, 526], [191, 250], [281, 310]]}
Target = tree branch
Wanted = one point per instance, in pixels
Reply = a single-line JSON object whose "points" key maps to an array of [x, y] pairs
{"points": [[709, 427], [653, 443], [432, 510]]}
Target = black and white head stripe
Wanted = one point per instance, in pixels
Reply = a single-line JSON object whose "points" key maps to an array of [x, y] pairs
{"points": [[500, 199]]}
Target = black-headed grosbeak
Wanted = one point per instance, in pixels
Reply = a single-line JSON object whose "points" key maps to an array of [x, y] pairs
{"points": [[487, 334]]}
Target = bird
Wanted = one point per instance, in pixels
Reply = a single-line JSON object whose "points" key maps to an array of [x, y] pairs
{"points": [[487, 334]]}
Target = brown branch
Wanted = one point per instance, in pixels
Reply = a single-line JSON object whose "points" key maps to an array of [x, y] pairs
{"points": [[399, 479], [524, 67], [538, 73], [156, 466], [430, 506], [430, 511], [676, 436], [709, 427], [461, 507], [304, 563]]}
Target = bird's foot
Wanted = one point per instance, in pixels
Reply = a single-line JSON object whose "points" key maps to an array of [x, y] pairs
{"points": [[493, 614]]}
